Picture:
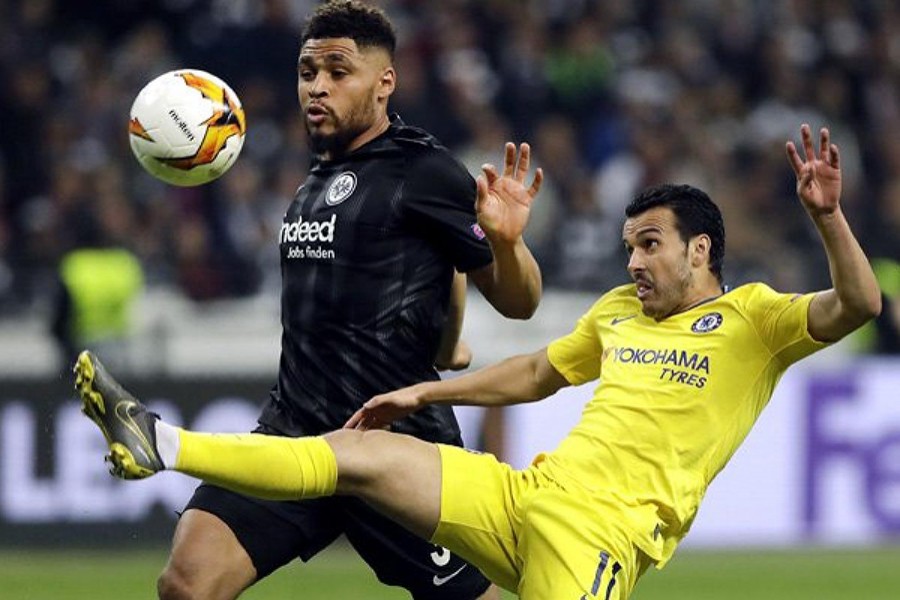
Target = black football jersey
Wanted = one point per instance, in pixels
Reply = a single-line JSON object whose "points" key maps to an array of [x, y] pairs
{"points": [[368, 248]]}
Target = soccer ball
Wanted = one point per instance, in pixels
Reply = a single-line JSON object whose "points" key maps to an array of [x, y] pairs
{"points": [[187, 127]]}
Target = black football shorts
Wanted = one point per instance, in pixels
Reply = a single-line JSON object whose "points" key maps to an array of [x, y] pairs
{"points": [[274, 533]]}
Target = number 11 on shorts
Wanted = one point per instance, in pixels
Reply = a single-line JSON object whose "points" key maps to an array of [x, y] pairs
{"points": [[598, 577]]}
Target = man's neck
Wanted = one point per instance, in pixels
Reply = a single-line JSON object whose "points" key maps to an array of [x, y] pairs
{"points": [[380, 126], [701, 296]]}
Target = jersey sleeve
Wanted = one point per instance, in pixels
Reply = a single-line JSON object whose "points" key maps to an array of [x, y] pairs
{"points": [[781, 321], [577, 356], [439, 200]]}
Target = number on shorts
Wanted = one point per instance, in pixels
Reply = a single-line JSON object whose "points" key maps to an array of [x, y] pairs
{"points": [[598, 577], [441, 556]]}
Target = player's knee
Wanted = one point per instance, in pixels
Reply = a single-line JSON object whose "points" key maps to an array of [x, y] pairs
{"points": [[361, 456], [174, 584]]}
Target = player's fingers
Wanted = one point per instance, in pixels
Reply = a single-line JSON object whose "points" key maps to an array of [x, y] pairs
{"points": [[794, 158], [806, 134], [369, 421], [824, 143], [835, 157], [481, 189], [354, 420], [509, 159], [524, 162], [490, 172], [536, 184]]}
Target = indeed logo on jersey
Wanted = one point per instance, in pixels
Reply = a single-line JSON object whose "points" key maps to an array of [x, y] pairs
{"points": [[309, 232], [678, 366]]}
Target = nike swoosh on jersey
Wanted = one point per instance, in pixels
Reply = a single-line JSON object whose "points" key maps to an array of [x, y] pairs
{"points": [[439, 581], [617, 320]]}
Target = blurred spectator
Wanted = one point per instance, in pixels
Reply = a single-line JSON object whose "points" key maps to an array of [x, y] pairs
{"points": [[420, 99], [524, 91], [99, 283], [579, 68], [199, 270], [586, 233], [25, 109]]}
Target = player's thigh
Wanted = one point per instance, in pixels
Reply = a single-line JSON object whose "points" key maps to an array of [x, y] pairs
{"points": [[572, 549], [398, 557], [269, 534], [479, 512], [399, 475]]}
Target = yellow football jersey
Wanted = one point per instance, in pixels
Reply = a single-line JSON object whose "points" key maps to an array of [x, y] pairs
{"points": [[675, 400]]}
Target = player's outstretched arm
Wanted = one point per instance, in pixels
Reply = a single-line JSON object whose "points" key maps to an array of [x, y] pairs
{"points": [[855, 297], [512, 282], [516, 380]]}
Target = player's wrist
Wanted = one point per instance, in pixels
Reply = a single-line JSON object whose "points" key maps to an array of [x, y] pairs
{"points": [[826, 215], [424, 394], [829, 222], [505, 250], [434, 392]]}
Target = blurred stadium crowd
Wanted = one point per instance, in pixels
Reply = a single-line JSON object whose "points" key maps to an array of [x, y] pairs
{"points": [[613, 95]]}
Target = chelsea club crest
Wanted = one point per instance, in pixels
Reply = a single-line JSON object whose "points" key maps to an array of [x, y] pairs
{"points": [[707, 323]]}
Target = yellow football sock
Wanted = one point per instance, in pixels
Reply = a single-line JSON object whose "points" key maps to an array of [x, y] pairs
{"points": [[266, 466]]}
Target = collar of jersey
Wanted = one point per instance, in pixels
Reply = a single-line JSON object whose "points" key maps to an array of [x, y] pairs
{"points": [[396, 135]]}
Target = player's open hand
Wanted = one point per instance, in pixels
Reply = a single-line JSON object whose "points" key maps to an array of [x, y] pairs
{"points": [[382, 410], [503, 202], [818, 174]]}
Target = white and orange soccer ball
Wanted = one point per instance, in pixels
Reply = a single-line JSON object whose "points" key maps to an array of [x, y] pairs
{"points": [[187, 127]]}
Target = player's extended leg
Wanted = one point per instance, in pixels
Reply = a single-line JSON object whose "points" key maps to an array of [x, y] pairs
{"points": [[399, 475]]}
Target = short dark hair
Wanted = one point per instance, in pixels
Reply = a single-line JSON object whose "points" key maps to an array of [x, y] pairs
{"points": [[695, 213], [366, 25]]}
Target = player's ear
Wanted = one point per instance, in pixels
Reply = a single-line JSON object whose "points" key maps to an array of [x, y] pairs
{"points": [[387, 82], [700, 246]]}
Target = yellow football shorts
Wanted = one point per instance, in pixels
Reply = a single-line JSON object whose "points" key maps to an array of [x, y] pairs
{"points": [[531, 535]]}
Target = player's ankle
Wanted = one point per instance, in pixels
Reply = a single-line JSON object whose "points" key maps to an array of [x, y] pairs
{"points": [[168, 443]]}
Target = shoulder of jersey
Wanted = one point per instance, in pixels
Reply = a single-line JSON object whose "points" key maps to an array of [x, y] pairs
{"points": [[623, 292], [619, 298], [409, 136], [754, 287], [746, 293]]}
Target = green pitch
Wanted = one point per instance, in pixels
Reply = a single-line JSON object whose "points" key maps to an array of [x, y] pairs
{"points": [[760, 575]]}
